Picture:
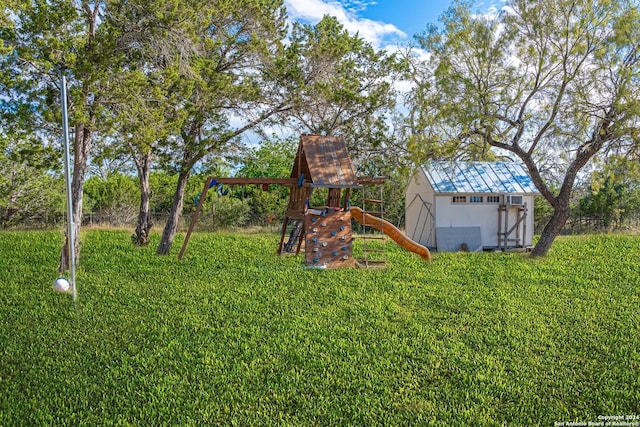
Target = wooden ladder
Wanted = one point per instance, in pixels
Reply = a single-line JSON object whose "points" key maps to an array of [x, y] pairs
{"points": [[292, 234], [373, 241]]}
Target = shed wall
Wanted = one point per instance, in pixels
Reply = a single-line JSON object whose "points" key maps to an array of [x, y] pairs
{"points": [[419, 200], [483, 215]]}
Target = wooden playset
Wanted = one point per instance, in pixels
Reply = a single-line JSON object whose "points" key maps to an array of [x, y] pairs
{"points": [[326, 231]]}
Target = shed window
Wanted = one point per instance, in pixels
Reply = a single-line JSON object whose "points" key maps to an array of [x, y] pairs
{"points": [[475, 199], [493, 199], [459, 199]]}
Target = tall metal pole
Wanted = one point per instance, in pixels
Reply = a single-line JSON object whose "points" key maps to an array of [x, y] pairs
{"points": [[67, 172]]}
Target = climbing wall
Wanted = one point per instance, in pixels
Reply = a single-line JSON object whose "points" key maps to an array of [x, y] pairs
{"points": [[328, 238]]}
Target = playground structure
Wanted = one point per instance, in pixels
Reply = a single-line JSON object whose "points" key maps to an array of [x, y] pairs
{"points": [[326, 231]]}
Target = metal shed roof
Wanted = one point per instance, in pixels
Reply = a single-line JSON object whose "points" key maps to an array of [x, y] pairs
{"points": [[479, 177]]}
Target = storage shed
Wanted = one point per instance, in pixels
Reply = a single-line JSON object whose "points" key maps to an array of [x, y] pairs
{"points": [[472, 206]]}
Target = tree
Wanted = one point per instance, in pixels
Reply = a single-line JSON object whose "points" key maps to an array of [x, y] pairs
{"points": [[144, 121], [30, 184], [151, 42], [233, 71], [552, 83], [272, 158], [614, 194], [31, 187], [45, 39], [341, 85]]}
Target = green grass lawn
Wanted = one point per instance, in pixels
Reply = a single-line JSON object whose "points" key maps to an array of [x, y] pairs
{"points": [[235, 335]]}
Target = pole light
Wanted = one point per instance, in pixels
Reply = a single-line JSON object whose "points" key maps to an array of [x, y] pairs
{"points": [[67, 172]]}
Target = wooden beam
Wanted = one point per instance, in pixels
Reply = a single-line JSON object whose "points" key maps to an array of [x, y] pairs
{"points": [[257, 181], [372, 180], [194, 218], [364, 180]]}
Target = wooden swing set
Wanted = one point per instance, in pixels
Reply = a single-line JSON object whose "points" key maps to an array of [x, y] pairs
{"points": [[320, 162]]}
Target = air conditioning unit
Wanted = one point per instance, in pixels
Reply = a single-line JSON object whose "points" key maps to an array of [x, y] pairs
{"points": [[515, 200]]}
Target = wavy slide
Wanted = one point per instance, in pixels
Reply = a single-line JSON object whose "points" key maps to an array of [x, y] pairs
{"points": [[390, 230]]}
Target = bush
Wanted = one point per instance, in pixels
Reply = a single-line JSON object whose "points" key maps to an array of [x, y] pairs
{"points": [[113, 200], [229, 212]]}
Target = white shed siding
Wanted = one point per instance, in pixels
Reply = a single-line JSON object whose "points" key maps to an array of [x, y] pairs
{"points": [[484, 215], [419, 199], [432, 188]]}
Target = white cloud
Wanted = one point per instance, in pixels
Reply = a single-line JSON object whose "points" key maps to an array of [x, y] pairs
{"points": [[375, 32]]}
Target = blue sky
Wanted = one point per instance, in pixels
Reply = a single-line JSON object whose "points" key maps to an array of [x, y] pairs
{"points": [[410, 16], [383, 23]]}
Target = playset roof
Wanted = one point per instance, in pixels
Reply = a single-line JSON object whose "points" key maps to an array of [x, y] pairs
{"points": [[325, 162]]}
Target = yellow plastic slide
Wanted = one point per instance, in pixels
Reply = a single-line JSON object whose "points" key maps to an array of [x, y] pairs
{"points": [[390, 230]]}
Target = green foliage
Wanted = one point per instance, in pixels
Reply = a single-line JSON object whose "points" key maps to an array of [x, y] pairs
{"points": [[48, 39], [229, 212], [543, 212], [520, 80], [234, 335], [115, 198], [341, 84], [162, 188], [230, 48], [31, 188], [614, 195], [272, 158]]}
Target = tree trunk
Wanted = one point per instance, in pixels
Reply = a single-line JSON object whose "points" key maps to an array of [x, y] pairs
{"points": [[84, 132], [81, 147], [144, 224], [551, 231], [171, 227]]}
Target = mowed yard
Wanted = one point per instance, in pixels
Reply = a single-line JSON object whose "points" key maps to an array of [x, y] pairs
{"points": [[234, 335]]}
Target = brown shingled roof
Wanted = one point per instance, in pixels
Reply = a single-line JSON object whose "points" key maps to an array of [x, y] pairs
{"points": [[325, 162]]}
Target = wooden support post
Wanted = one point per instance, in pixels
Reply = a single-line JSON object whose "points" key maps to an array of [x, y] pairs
{"points": [[282, 234], [333, 199], [295, 212], [519, 220], [194, 218], [515, 227], [506, 226], [301, 237], [501, 208], [524, 227]]}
